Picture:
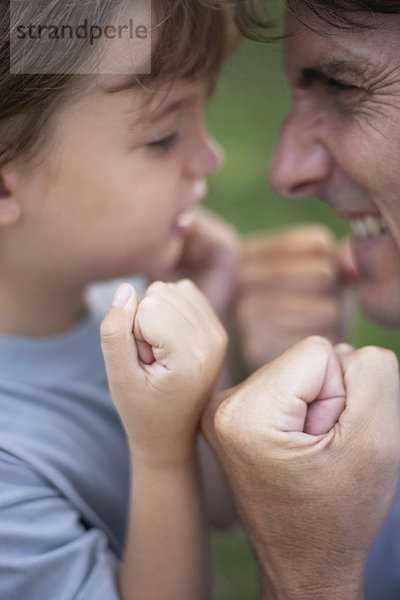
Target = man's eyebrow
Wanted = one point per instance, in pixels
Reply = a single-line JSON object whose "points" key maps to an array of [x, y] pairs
{"points": [[323, 72]]}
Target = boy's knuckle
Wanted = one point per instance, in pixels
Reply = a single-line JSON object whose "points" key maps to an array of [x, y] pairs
{"points": [[155, 288], [318, 342], [149, 304], [186, 284]]}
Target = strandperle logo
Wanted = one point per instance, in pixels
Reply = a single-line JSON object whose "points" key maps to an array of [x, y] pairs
{"points": [[82, 32], [56, 37]]}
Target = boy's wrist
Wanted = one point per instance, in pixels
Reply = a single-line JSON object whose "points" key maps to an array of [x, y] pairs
{"points": [[163, 459]]}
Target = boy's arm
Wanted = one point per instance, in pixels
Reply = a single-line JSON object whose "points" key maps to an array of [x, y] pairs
{"points": [[166, 554], [160, 405]]}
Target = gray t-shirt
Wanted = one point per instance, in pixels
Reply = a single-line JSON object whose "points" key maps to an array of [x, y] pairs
{"points": [[64, 471], [382, 580]]}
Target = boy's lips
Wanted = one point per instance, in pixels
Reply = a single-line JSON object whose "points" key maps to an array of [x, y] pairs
{"points": [[183, 221]]}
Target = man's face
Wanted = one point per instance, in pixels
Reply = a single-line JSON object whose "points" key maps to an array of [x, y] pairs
{"points": [[341, 142]]}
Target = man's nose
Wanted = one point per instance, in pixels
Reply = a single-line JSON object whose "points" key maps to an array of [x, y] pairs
{"points": [[301, 162]]}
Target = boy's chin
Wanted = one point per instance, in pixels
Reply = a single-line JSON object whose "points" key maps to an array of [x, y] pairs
{"points": [[168, 262]]}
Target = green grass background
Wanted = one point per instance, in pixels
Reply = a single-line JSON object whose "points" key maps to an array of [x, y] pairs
{"points": [[244, 117]]}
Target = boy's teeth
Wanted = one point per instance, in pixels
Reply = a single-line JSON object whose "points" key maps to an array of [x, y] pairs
{"points": [[367, 227]]}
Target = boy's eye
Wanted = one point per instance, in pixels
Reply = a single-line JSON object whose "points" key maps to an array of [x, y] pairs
{"points": [[164, 143]]}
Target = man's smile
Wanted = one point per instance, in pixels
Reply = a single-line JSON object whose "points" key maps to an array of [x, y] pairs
{"points": [[368, 226]]}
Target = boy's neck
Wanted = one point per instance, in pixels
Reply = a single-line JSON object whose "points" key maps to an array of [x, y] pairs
{"points": [[35, 310]]}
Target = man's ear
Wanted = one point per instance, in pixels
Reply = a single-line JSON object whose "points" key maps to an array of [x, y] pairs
{"points": [[10, 209]]}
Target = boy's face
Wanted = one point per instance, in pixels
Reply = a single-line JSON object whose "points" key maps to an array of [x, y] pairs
{"points": [[118, 184]]}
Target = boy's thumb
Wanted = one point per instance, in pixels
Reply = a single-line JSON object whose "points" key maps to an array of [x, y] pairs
{"points": [[117, 341], [145, 351]]}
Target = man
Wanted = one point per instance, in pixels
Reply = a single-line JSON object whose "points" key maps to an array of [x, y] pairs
{"points": [[310, 443]]}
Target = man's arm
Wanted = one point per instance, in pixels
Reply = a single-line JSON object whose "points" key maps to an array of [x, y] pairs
{"points": [[292, 284], [310, 446]]}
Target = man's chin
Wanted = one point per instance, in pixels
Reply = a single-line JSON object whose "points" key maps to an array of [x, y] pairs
{"points": [[382, 306]]}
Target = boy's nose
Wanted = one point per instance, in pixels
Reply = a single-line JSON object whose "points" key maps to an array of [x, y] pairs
{"points": [[301, 163], [208, 159]]}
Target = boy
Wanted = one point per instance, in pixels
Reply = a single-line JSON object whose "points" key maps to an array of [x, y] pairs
{"points": [[95, 183], [100, 177]]}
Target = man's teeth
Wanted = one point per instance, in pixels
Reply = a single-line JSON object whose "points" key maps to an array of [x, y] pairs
{"points": [[367, 227]]}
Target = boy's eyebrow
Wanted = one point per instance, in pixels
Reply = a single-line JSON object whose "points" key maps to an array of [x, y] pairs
{"points": [[155, 115], [166, 109], [126, 84]]}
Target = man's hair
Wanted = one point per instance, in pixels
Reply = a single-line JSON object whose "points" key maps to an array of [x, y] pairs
{"points": [[192, 38], [344, 13]]}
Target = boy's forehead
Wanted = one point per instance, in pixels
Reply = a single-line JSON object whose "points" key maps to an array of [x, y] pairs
{"points": [[156, 102]]}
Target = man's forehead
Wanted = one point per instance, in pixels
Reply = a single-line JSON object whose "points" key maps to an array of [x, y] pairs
{"points": [[314, 44]]}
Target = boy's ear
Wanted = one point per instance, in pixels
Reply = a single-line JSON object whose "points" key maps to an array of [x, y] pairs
{"points": [[10, 209]]}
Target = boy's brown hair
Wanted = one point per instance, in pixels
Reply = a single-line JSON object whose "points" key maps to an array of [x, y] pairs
{"points": [[193, 38]]}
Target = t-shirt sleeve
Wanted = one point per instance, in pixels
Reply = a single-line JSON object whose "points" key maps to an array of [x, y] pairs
{"points": [[46, 550]]}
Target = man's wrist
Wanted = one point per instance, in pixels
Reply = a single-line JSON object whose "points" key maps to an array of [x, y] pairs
{"points": [[312, 590], [292, 585]]}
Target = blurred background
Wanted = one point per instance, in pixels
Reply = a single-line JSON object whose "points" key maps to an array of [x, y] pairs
{"points": [[244, 117]]}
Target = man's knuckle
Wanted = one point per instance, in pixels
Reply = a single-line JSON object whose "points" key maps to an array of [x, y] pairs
{"points": [[331, 311], [225, 422], [320, 236], [374, 354], [326, 274]]}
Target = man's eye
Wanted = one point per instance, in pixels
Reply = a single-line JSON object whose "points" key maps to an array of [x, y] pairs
{"points": [[339, 86], [164, 143]]}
